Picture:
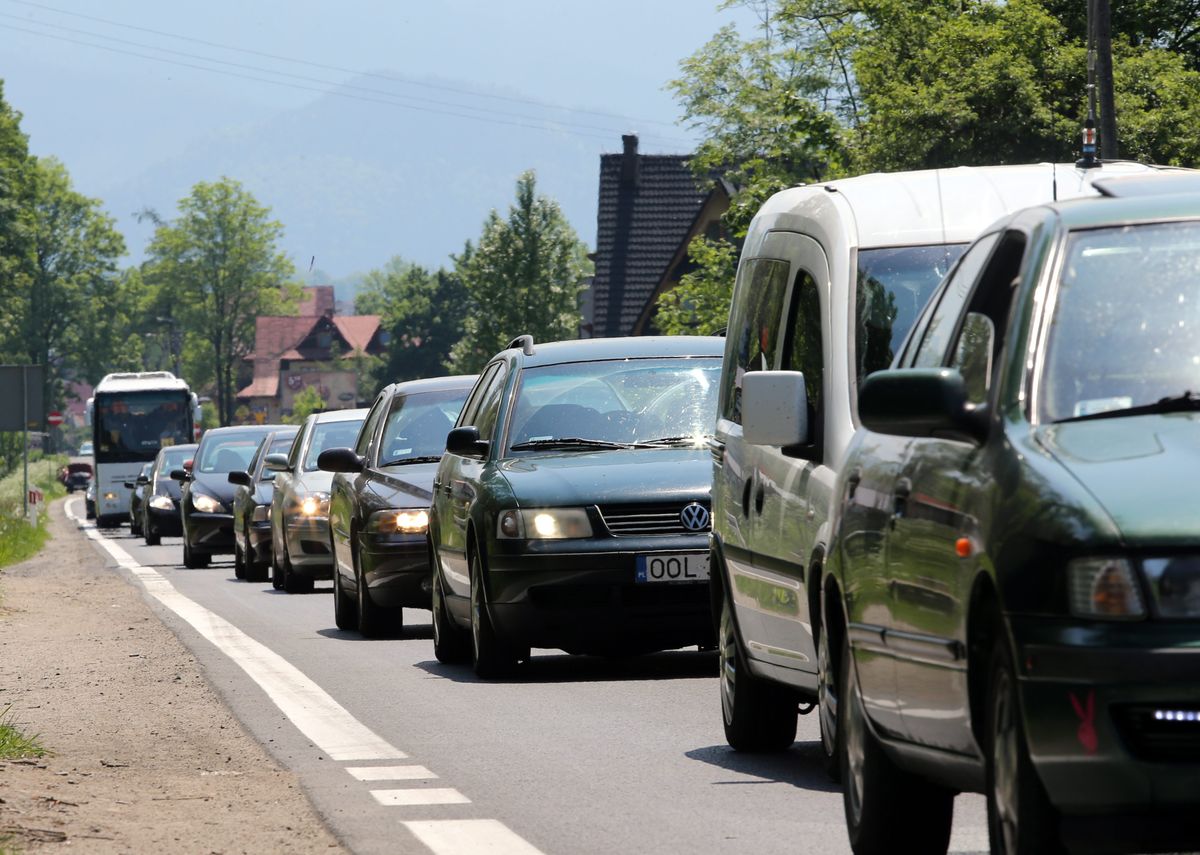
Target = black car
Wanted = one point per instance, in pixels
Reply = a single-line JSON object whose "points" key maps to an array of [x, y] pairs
{"points": [[160, 511], [571, 508], [252, 508], [379, 505], [75, 475], [137, 498], [207, 496]]}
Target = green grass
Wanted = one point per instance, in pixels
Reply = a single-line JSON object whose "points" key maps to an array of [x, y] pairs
{"points": [[14, 744], [18, 539]]}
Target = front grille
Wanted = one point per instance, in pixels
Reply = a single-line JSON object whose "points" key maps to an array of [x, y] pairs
{"points": [[1163, 733], [641, 520]]}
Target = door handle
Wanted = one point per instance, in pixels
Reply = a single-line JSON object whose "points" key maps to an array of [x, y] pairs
{"points": [[900, 497]]}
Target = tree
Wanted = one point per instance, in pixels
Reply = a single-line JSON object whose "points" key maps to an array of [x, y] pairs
{"points": [[307, 401], [15, 235], [524, 276], [218, 265]]}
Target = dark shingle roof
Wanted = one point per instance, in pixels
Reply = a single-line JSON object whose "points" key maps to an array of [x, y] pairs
{"points": [[640, 226]]}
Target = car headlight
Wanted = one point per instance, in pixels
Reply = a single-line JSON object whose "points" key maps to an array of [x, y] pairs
{"points": [[543, 524], [313, 505], [404, 521], [1105, 588], [162, 503], [206, 504], [262, 513]]}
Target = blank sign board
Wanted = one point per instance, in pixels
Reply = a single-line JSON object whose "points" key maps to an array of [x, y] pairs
{"points": [[11, 386]]}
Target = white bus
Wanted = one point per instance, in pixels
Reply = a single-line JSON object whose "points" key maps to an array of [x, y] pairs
{"points": [[132, 416]]}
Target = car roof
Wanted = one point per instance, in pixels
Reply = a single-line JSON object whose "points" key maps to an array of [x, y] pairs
{"points": [[185, 446], [432, 384], [327, 416], [630, 347], [1097, 213]]}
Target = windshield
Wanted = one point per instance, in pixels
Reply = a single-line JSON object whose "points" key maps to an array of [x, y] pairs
{"points": [[279, 445], [893, 287], [135, 425], [226, 452], [621, 401], [417, 425], [174, 458], [1126, 325], [325, 435]]}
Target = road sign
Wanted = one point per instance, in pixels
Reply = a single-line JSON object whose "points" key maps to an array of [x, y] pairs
{"points": [[54, 419]]}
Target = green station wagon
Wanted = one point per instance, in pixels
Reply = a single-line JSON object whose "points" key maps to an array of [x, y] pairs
{"points": [[1014, 585]]}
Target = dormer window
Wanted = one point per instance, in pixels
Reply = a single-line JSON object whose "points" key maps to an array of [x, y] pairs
{"points": [[324, 340]]}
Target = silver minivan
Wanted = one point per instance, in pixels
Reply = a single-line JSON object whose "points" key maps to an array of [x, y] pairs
{"points": [[831, 278]]}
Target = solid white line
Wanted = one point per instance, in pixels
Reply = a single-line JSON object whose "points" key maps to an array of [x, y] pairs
{"points": [[420, 796], [469, 836], [391, 773]]}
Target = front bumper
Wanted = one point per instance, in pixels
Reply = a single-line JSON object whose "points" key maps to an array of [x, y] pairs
{"points": [[308, 546], [582, 595], [163, 522], [259, 541], [209, 533], [396, 568], [1089, 695]]}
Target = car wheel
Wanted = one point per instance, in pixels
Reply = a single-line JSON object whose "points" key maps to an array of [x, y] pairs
{"points": [[884, 804], [827, 704], [449, 641], [374, 621], [135, 526], [239, 562], [152, 537], [758, 715], [293, 582], [345, 607], [194, 560], [1021, 820], [276, 571], [489, 654]]}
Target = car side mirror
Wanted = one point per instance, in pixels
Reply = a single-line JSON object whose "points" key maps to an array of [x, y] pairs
{"points": [[276, 462], [143, 479], [128, 485], [921, 403], [241, 478], [465, 441], [340, 460], [775, 408], [179, 475]]}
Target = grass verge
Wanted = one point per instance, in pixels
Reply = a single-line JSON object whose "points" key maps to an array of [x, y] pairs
{"points": [[14, 743], [18, 539]]}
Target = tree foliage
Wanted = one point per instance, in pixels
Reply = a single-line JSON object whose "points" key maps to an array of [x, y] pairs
{"points": [[524, 276], [307, 401]]}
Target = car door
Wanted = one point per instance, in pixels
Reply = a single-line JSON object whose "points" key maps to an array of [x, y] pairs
{"points": [[282, 496], [932, 551], [345, 506], [457, 483]]}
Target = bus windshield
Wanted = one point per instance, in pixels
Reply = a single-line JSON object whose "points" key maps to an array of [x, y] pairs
{"points": [[135, 425]]}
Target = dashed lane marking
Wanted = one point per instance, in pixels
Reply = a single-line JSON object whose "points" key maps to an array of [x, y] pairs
{"points": [[391, 773], [455, 836], [420, 796]]}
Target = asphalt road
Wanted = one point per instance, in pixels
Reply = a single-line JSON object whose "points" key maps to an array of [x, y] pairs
{"points": [[572, 755]]}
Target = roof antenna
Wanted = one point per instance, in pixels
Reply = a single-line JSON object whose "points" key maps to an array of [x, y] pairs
{"points": [[1054, 181], [1089, 160]]}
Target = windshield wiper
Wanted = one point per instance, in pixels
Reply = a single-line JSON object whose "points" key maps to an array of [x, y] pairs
{"points": [[675, 440], [1185, 403], [401, 461], [569, 442]]}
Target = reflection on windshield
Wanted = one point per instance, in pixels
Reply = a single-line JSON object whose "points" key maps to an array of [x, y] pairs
{"points": [[175, 459], [330, 435], [134, 426], [417, 425], [1126, 326], [227, 453], [617, 401], [893, 287]]}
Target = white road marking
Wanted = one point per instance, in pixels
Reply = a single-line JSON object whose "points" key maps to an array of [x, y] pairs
{"points": [[420, 796], [391, 773], [457, 836]]}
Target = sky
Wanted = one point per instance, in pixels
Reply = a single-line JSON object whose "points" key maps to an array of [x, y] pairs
{"points": [[116, 89]]}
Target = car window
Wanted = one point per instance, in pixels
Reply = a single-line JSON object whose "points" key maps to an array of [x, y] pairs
{"points": [[954, 295], [362, 445], [279, 445], [226, 452], [174, 459], [752, 337], [973, 355], [326, 435], [294, 449], [417, 424], [471, 409], [804, 351], [489, 404]]}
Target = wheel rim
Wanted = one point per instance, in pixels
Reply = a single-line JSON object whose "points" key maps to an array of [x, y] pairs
{"points": [[855, 748], [476, 617], [1005, 748], [437, 610], [827, 699], [728, 664]]}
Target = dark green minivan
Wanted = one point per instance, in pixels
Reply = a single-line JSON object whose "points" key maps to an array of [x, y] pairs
{"points": [[1014, 584]]}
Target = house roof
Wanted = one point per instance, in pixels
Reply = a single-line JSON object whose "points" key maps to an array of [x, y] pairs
{"points": [[265, 386], [357, 330], [648, 205], [279, 337]]}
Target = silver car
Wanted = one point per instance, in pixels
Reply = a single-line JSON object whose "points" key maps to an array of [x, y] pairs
{"points": [[300, 550]]}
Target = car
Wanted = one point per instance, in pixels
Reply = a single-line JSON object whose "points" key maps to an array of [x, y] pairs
{"points": [[86, 448], [300, 547], [831, 278], [1014, 577], [89, 500], [571, 508], [160, 511], [379, 503], [253, 487], [206, 495], [75, 475], [137, 498]]}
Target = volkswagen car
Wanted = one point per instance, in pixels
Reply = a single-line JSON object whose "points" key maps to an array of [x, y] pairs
{"points": [[160, 512], [253, 488], [571, 509]]}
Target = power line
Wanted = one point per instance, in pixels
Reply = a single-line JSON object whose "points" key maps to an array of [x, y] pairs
{"points": [[542, 125], [392, 77]]}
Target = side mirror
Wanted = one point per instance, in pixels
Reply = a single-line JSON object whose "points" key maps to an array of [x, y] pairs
{"points": [[775, 408], [143, 479], [241, 478], [180, 475], [276, 462], [340, 460], [128, 485], [922, 403], [465, 441]]}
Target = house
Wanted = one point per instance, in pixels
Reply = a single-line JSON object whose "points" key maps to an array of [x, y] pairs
{"points": [[651, 206], [315, 349]]}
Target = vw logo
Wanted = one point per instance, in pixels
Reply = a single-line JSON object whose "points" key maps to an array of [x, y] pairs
{"points": [[694, 517]]}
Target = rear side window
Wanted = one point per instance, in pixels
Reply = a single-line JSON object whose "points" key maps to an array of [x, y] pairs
{"points": [[752, 340], [805, 352], [471, 408], [362, 445]]}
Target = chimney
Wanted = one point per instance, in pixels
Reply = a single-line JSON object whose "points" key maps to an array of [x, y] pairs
{"points": [[629, 160]]}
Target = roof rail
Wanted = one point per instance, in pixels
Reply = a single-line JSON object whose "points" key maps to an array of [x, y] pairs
{"points": [[525, 342]]}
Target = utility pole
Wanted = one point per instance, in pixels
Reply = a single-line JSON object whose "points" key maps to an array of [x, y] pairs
{"points": [[1101, 21]]}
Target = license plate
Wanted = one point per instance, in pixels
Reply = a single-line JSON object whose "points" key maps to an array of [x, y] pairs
{"points": [[682, 567]]}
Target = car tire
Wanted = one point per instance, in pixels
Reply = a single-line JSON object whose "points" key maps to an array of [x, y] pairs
{"points": [[1021, 819], [490, 656], [759, 716], [451, 645], [828, 692], [193, 560], [135, 527], [345, 607], [293, 582], [276, 571], [152, 537], [884, 804], [256, 571], [374, 621], [239, 563]]}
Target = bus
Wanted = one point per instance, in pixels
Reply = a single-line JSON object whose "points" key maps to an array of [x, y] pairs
{"points": [[132, 416]]}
